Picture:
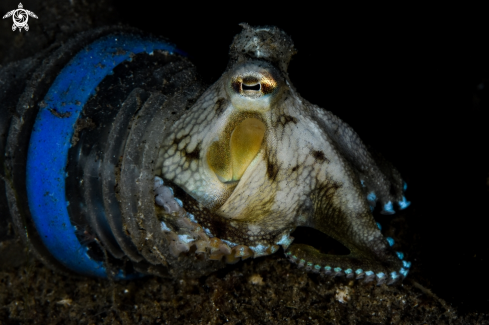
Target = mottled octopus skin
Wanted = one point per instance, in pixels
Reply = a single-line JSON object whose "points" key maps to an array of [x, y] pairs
{"points": [[311, 169]]}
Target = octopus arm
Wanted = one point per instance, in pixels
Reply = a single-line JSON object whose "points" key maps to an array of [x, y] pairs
{"points": [[352, 224], [341, 207], [380, 181]]}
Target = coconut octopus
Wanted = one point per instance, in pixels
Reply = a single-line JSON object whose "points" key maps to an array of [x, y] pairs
{"points": [[251, 160]]}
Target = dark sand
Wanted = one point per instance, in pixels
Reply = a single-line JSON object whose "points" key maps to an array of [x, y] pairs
{"points": [[264, 291], [435, 132]]}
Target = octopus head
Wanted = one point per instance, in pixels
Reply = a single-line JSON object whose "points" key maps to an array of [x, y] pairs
{"points": [[254, 86]]}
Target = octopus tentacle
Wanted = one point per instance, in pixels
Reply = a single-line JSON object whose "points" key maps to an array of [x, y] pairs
{"points": [[352, 267], [380, 180], [370, 255]]}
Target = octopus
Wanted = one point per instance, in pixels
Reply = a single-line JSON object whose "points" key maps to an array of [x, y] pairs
{"points": [[251, 160]]}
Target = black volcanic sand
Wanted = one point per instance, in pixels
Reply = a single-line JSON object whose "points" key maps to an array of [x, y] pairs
{"points": [[264, 291], [439, 234], [267, 290]]}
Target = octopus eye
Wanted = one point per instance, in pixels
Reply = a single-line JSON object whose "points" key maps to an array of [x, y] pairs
{"points": [[254, 84], [254, 87]]}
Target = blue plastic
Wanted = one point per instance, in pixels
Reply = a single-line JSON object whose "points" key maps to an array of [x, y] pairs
{"points": [[51, 138]]}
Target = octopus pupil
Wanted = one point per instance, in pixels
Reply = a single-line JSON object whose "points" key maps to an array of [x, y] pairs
{"points": [[254, 87]]}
